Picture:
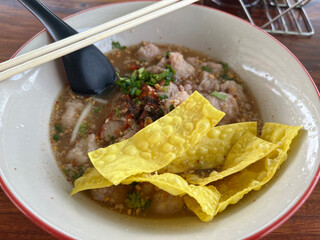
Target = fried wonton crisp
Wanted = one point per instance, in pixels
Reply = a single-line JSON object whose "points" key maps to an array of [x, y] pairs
{"points": [[211, 150], [158, 144], [234, 187], [187, 139], [247, 150], [202, 200], [91, 179]]}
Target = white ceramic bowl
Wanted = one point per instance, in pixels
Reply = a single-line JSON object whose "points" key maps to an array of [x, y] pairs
{"points": [[285, 93]]}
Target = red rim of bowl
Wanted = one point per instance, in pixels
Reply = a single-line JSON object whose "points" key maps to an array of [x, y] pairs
{"points": [[55, 232]]}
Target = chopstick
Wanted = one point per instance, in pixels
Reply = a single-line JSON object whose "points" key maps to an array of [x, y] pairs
{"points": [[81, 40], [80, 36]]}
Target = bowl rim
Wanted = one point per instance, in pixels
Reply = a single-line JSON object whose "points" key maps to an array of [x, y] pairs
{"points": [[263, 232]]}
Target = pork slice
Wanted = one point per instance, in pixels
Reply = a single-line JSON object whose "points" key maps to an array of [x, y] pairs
{"points": [[171, 89], [159, 67], [195, 62], [182, 67], [128, 133], [175, 100], [229, 106], [165, 204], [69, 117], [215, 67], [148, 52], [79, 154], [111, 129], [113, 194], [214, 101], [235, 89], [208, 83]]}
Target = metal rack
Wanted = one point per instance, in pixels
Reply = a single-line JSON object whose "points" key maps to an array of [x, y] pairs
{"points": [[287, 17]]}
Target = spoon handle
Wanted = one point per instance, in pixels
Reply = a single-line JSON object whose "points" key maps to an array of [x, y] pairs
{"points": [[88, 70], [57, 28]]}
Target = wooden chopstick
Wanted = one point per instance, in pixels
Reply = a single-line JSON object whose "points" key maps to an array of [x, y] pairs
{"points": [[81, 40], [80, 36]]}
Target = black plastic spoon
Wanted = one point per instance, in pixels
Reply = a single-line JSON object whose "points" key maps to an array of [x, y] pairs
{"points": [[88, 70]]}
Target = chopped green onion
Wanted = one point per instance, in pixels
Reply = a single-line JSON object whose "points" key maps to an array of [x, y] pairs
{"points": [[133, 83], [170, 68], [207, 69], [165, 89], [163, 97], [219, 95], [117, 45], [167, 55], [171, 107], [117, 113], [97, 109]]}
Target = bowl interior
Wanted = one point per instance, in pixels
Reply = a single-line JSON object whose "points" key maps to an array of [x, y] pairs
{"points": [[283, 88]]}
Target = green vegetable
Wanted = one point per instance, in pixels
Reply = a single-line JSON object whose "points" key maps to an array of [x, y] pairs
{"points": [[219, 95], [117, 113], [56, 137], [97, 109], [137, 101], [117, 45], [135, 200], [167, 55], [226, 77], [171, 107], [58, 128], [163, 97], [207, 69], [83, 130], [66, 171], [111, 138], [133, 184], [132, 84], [77, 174], [225, 66]]}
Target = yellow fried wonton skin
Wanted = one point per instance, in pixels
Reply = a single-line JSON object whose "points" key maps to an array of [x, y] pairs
{"points": [[187, 139], [158, 144]]}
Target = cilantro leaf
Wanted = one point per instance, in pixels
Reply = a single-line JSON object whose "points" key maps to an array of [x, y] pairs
{"points": [[225, 66], [77, 174], [135, 200], [207, 69], [58, 128], [117, 45], [112, 139], [56, 137]]}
